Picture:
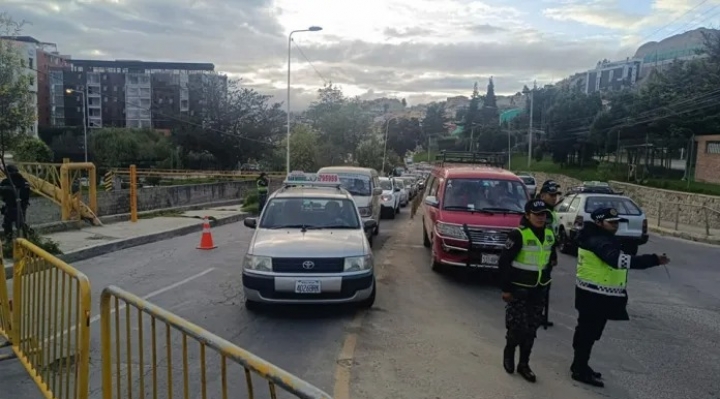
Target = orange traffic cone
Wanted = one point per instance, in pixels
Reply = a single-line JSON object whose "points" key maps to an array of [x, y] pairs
{"points": [[206, 241]]}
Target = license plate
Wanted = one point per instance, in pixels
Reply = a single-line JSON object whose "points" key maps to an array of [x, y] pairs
{"points": [[489, 259], [308, 287]]}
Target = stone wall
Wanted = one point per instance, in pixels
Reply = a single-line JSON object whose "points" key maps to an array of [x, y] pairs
{"points": [[42, 210], [666, 204]]}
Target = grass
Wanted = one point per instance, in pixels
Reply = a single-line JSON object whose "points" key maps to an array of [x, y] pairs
{"points": [[609, 171]]}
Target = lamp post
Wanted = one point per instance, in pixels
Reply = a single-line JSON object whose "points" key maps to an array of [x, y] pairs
{"points": [[84, 110], [387, 128], [310, 29]]}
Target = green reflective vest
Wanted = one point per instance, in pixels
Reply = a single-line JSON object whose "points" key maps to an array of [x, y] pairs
{"points": [[262, 186], [530, 266], [597, 276]]}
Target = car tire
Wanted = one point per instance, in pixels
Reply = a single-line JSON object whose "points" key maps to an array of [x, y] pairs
{"points": [[252, 306], [369, 301], [377, 230], [426, 241], [391, 213], [565, 245]]}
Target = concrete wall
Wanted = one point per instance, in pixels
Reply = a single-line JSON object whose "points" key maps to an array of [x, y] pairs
{"points": [[42, 210], [686, 207]]}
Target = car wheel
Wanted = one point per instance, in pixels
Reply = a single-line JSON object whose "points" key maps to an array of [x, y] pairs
{"points": [[391, 213], [565, 245], [426, 241], [377, 230], [397, 210], [369, 301]]}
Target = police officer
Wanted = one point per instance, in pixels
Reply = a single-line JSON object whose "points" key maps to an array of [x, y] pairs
{"points": [[262, 189], [600, 286], [549, 193], [525, 274], [10, 197]]}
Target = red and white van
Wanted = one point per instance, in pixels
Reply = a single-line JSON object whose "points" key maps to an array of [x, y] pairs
{"points": [[468, 212]]}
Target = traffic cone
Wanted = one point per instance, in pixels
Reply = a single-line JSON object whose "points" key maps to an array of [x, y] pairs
{"points": [[206, 240]]}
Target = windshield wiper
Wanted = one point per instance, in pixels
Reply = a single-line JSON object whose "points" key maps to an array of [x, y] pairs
{"points": [[297, 226], [339, 226], [503, 210], [465, 208]]}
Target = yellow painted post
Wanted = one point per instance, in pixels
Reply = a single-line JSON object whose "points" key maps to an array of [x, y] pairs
{"points": [[65, 205], [133, 194], [92, 177]]}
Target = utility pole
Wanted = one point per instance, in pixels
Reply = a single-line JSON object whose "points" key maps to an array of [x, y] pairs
{"points": [[530, 129]]}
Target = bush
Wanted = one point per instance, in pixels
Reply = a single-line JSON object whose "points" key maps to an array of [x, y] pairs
{"points": [[47, 244], [251, 208], [31, 149], [251, 198]]}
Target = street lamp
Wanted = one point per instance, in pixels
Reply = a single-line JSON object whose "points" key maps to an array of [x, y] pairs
{"points": [[387, 128], [310, 29], [84, 110]]}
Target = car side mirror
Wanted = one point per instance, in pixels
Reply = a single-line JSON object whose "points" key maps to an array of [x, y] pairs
{"points": [[377, 191], [369, 224], [432, 201], [250, 222]]}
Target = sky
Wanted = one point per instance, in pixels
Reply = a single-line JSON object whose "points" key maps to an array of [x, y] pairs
{"points": [[420, 50]]}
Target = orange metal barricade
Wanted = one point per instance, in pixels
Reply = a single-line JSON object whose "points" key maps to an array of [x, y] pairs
{"points": [[150, 352]]}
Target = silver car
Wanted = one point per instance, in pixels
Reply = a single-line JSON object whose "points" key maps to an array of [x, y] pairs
{"points": [[309, 246]]}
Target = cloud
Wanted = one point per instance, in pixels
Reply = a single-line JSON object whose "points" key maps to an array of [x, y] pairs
{"points": [[603, 13], [417, 49]]}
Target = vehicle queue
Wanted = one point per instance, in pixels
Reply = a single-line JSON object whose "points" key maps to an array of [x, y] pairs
{"points": [[313, 243]]}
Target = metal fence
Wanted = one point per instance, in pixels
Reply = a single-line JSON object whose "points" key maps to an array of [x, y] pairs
{"points": [[699, 218], [50, 322], [150, 352]]}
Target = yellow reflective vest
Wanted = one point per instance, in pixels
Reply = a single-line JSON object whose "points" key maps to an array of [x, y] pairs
{"points": [[530, 266], [594, 275]]}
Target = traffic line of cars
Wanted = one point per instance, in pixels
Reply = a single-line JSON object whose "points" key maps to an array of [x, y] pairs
{"points": [[312, 242]]}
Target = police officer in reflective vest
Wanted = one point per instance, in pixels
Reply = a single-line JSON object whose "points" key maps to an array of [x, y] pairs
{"points": [[525, 275], [600, 286], [262, 189], [549, 193]]}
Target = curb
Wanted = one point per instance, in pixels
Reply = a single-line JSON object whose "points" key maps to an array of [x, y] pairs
{"points": [[117, 245], [712, 240]]}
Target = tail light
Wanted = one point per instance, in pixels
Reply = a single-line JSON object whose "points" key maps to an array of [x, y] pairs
{"points": [[644, 226]]}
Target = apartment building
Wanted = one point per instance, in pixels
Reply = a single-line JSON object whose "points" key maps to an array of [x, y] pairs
{"points": [[129, 93], [28, 47]]}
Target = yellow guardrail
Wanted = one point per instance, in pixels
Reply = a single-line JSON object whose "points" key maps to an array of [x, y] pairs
{"points": [[50, 330], [147, 351]]}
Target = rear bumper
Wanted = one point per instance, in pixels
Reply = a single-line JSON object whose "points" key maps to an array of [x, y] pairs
{"points": [[280, 289]]}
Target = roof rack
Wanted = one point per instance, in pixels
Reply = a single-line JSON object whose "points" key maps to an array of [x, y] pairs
{"points": [[302, 179], [497, 159], [593, 189]]}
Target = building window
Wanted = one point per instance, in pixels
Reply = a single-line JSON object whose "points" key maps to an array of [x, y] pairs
{"points": [[31, 63], [712, 147]]}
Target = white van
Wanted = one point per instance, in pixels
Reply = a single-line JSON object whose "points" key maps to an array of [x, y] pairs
{"points": [[364, 186]]}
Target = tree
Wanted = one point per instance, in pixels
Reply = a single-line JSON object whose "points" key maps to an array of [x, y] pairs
{"points": [[31, 149], [239, 123], [403, 135], [17, 114], [114, 147], [434, 122], [304, 149]]}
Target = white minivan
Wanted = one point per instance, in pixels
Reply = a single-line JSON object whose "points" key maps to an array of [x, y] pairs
{"points": [[364, 186]]}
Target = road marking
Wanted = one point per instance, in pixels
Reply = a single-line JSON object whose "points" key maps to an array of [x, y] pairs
{"points": [[146, 297], [345, 359]]}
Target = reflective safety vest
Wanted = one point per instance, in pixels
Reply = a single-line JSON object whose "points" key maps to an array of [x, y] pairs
{"points": [[597, 276], [262, 186], [530, 266]]}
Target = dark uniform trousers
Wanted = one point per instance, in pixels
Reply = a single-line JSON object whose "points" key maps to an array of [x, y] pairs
{"points": [[523, 317]]}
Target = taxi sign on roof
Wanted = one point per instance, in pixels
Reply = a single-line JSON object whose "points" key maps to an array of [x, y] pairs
{"points": [[312, 179]]}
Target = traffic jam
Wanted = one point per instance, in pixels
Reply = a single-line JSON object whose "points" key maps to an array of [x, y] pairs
{"points": [[313, 239]]}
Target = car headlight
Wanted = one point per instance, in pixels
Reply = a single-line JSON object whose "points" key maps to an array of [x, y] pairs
{"points": [[365, 211], [386, 197], [451, 231], [358, 263], [259, 263]]}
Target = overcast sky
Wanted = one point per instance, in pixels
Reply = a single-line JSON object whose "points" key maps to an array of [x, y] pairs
{"points": [[421, 50]]}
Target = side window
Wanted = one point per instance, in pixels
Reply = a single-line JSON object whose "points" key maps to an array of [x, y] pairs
{"points": [[574, 205], [428, 185], [564, 205], [434, 187]]}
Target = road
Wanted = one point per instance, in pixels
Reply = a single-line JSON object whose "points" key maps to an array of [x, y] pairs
{"points": [[429, 336]]}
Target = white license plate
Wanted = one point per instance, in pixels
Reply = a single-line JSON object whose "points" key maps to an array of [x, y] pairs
{"points": [[308, 287], [490, 259]]}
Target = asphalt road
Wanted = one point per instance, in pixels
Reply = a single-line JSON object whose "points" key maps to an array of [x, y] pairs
{"points": [[429, 336], [434, 336], [204, 287]]}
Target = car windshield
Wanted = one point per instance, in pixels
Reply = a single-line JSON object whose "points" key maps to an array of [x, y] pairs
{"points": [[400, 184], [310, 213], [386, 185], [355, 184], [478, 194], [530, 181], [624, 205]]}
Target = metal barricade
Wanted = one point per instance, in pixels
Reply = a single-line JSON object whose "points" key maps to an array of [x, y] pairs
{"points": [[5, 309], [50, 331], [148, 351]]}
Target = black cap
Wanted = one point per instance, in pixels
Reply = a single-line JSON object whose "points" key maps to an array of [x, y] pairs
{"points": [[607, 215], [12, 168], [536, 206], [550, 187]]}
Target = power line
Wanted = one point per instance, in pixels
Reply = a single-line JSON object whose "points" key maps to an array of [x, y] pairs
{"points": [[308, 61], [673, 21]]}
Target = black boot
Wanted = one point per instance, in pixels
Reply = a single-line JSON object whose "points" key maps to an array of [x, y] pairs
{"points": [[509, 356], [580, 369], [523, 367]]}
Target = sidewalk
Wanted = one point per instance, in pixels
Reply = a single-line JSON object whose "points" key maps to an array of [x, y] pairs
{"points": [[684, 231], [94, 241]]}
